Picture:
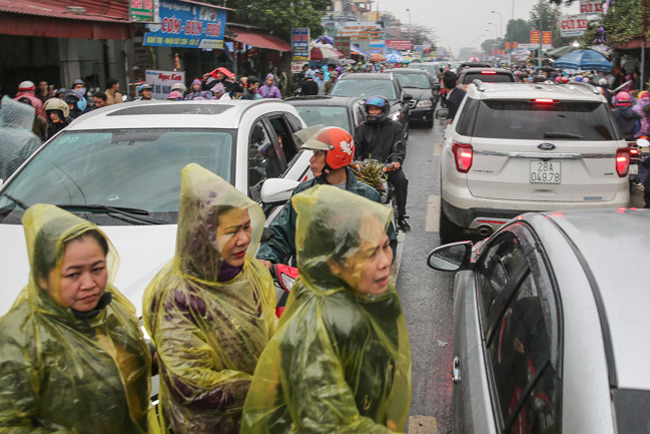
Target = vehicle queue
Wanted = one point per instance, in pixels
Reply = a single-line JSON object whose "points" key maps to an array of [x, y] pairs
{"points": [[205, 381]]}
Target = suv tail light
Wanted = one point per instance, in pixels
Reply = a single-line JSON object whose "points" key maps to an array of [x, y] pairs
{"points": [[488, 72], [463, 155], [622, 161]]}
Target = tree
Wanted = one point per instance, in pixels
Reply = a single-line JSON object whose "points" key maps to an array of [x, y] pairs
{"points": [[280, 16], [518, 31], [419, 33]]}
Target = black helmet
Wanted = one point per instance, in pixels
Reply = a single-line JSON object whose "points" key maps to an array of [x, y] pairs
{"points": [[382, 103]]}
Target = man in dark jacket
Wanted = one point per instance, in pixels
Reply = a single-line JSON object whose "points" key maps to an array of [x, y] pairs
{"points": [[627, 119], [454, 95], [333, 152], [253, 83], [382, 139], [309, 86]]}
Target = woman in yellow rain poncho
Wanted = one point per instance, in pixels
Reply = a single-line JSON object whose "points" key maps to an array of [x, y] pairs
{"points": [[210, 310], [340, 360], [72, 356]]}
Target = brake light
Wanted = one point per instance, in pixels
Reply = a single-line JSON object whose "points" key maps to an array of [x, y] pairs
{"points": [[488, 72], [622, 161], [463, 154], [543, 101], [634, 152]]}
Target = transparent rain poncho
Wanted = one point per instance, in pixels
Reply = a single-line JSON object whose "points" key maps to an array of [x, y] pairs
{"points": [[340, 361], [208, 322], [17, 141], [66, 371]]}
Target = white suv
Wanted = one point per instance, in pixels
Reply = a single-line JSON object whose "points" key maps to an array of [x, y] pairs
{"points": [[514, 148]]}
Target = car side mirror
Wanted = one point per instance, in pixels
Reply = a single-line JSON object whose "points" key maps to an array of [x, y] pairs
{"points": [[442, 113], [450, 257], [407, 97], [277, 190]]}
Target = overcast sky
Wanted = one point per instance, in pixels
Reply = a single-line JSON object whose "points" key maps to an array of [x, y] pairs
{"points": [[458, 23]]}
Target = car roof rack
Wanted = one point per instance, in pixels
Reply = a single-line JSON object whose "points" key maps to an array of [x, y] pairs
{"points": [[479, 84]]}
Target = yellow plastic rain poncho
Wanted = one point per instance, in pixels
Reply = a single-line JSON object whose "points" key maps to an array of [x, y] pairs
{"points": [[209, 322], [340, 361], [62, 370]]}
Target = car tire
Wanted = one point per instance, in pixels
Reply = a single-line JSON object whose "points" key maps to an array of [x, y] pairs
{"points": [[449, 231]]}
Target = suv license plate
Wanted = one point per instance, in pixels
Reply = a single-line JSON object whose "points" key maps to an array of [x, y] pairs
{"points": [[545, 172]]}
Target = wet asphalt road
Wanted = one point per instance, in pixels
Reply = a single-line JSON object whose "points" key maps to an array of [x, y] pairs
{"points": [[426, 295]]}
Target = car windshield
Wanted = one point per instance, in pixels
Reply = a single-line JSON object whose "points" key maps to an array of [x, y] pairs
{"points": [[431, 69], [365, 88], [488, 78], [418, 81], [326, 115], [92, 171], [537, 120]]}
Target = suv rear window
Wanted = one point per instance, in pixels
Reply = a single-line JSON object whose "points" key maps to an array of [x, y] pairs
{"points": [[488, 78], [568, 120]]}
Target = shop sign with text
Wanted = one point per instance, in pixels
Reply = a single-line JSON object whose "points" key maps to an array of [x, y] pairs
{"points": [[399, 44], [591, 7], [142, 10], [162, 81], [300, 44], [187, 25], [572, 25]]}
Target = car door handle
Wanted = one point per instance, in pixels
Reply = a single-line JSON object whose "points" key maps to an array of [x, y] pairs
{"points": [[455, 370]]}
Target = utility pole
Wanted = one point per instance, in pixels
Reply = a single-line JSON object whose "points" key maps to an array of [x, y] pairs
{"points": [[643, 41], [541, 32]]}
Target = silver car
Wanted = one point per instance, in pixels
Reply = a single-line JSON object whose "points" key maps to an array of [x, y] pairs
{"points": [[551, 322]]}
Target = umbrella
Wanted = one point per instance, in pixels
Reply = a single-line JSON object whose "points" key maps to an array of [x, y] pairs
{"points": [[320, 51], [349, 61], [394, 58], [561, 51], [473, 59], [376, 57], [584, 59]]}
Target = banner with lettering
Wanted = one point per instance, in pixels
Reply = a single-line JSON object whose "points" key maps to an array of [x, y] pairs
{"points": [[590, 7], [187, 25], [572, 25], [162, 81]]}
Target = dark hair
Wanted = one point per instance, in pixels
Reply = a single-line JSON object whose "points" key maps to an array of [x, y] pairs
{"points": [[46, 241], [101, 95], [449, 79], [252, 80], [111, 82]]}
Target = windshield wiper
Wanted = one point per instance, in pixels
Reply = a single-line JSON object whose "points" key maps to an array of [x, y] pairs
{"points": [[561, 135], [137, 214], [18, 202]]}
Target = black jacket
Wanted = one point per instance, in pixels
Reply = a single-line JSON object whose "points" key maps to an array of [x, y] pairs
{"points": [[383, 141], [627, 120], [309, 87], [453, 101]]}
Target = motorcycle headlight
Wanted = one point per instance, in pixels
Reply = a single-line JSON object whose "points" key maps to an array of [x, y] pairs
{"points": [[395, 116], [424, 103]]}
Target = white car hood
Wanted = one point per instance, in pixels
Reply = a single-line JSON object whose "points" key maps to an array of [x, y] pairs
{"points": [[143, 251]]}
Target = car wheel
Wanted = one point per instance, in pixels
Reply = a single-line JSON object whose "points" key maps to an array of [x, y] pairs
{"points": [[449, 231]]}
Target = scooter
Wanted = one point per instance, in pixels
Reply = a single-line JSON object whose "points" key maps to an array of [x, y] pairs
{"points": [[284, 277]]}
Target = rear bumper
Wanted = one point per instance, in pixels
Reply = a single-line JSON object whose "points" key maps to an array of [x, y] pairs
{"points": [[494, 213]]}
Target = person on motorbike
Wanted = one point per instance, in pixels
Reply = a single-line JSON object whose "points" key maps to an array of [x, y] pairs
{"points": [[333, 149], [629, 122], [340, 361], [382, 139]]}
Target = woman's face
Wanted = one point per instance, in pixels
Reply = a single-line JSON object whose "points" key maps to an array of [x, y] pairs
{"points": [[368, 270], [196, 87], [220, 75], [83, 275], [54, 117], [234, 234], [269, 81]]}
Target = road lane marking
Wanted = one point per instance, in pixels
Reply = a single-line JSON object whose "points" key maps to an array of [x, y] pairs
{"points": [[423, 425], [437, 149], [433, 214]]}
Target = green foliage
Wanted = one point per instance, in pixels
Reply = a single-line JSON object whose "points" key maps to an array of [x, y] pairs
{"points": [[371, 173], [280, 16], [518, 31]]}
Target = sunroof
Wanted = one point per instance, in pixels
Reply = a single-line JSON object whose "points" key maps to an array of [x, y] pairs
{"points": [[172, 109]]}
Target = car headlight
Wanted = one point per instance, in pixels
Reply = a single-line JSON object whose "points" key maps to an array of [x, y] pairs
{"points": [[395, 116], [424, 103]]}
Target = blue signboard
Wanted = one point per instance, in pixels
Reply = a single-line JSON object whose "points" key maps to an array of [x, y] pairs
{"points": [[300, 44], [187, 25]]}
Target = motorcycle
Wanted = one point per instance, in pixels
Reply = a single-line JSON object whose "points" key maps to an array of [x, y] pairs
{"points": [[284, 277]]}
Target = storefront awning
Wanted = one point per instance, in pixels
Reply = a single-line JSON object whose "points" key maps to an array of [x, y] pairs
{"points": [[356, 49], [257, 39], [87, 19]]}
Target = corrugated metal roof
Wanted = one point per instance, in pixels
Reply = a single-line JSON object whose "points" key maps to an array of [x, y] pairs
{"points": [[258, 40], [87, 10]]}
